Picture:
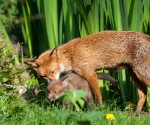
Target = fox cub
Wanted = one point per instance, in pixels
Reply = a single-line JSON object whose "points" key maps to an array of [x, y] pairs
{"points": [[72, 81], [112, 50]]}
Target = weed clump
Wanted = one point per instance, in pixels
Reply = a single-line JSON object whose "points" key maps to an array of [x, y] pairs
{"points": [[13, 74]]}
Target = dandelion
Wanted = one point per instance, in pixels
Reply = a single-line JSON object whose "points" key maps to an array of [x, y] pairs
{"points": [[110, 116]]}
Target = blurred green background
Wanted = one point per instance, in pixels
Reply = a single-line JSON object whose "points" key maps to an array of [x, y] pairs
{"points": [[39, 25]]}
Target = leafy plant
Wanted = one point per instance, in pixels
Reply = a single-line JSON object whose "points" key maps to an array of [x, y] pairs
{"points": [[12, 73], [11, 70], [75, 97], [8, 10]]}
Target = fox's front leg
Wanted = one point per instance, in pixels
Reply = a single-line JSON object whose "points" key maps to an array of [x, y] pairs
{"points": [[92, 79]]}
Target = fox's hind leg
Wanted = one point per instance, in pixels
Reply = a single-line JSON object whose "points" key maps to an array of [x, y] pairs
{"points": [[141, 89]]}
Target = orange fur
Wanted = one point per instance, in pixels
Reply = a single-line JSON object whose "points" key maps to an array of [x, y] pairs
{"points": [[113, 50]]}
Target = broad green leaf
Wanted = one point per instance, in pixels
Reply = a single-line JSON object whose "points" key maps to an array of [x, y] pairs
{"points": [[74, 97], [5, 79]]}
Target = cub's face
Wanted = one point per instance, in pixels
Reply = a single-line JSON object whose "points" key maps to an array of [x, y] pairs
{"points": [[47, 65], [55, 89]]}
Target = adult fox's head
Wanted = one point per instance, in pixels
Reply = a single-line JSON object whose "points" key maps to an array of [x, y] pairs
{"points": [[56, 88], [48, 65]]}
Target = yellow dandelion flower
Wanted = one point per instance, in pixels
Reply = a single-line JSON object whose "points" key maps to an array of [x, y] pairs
{"points": [[110, 116]]}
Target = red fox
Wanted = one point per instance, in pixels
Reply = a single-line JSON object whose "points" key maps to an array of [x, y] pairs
{"points": [[112, 50], [72, 81]]}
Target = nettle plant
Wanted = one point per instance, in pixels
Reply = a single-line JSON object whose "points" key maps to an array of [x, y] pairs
{"points": [[12, 74]]}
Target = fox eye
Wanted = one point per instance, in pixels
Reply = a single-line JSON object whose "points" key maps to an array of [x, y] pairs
{"points": [[53, 71]]}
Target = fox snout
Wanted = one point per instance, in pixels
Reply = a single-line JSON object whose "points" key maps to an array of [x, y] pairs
{"points": [[51, 98], [48, 80]]}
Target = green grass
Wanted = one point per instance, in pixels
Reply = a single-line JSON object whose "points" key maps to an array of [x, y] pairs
{"points": [[27, 113]]}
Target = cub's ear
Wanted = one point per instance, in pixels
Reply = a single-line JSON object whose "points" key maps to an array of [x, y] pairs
{"points": [[54, 52], [31, 63], [65, 81]]}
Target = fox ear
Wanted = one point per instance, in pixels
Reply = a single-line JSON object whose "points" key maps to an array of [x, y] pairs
{"points": [[54, 52], [65, 81], [31, 63]]}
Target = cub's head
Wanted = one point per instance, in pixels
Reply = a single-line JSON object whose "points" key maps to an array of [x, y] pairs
{"points": [[48, 65], [56, 88]]}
